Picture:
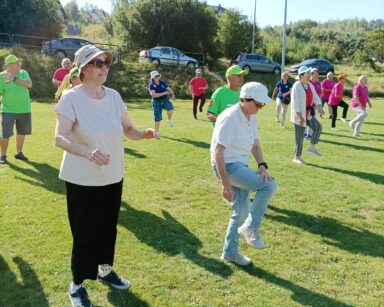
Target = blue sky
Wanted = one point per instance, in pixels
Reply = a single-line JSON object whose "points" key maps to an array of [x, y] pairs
{"points": [[271, 12]]}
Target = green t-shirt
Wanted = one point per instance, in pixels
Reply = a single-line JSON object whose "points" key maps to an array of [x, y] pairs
{"points": [[15, 97], [223, 98]]}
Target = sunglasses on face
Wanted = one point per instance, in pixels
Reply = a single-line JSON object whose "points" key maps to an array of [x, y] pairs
{"points": [[99, 64], [259, 104]]}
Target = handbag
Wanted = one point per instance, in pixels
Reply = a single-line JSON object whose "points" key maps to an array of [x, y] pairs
{"points": [[287, 99]]}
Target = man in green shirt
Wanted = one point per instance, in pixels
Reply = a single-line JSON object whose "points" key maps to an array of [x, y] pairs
{"points": [[16, 106], [228, 94]]}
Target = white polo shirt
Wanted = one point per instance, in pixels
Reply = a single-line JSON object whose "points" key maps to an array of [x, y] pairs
{"points": [[236, 133]]}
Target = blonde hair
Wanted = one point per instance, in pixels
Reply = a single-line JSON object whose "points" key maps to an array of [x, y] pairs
{"points": [[361, 78]]}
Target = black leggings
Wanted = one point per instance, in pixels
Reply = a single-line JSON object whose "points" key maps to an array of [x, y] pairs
{"points": [[345, 107], [93, 213]]}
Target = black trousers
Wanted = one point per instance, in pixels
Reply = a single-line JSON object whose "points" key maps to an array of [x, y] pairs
{"points": [[345, 107], [196, 102], [93, 212]]}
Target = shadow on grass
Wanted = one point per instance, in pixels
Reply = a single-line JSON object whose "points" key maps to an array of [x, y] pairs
{"points": [[301, 295], [375, 178], [125, 298], [372, 123], [43, 175], [133, 152], [333, 232], [168, 236], [354, 146], [28, 292], [188, 141]]}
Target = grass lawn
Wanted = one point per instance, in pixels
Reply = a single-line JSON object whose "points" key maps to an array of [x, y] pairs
{"points": [[324, 227]]}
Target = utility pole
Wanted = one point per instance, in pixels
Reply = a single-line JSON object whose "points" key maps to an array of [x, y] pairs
{"points": [[254, 29], [284, 38]]}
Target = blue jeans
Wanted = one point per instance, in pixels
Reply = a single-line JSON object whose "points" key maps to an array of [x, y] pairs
{"points": [[244, 180]]}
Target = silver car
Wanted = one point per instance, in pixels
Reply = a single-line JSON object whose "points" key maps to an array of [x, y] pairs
{"points": [[167, 56], [256, 62]]}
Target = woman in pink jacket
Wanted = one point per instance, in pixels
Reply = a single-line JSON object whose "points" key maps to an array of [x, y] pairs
{"points": [[360, 99], [336, 100]]}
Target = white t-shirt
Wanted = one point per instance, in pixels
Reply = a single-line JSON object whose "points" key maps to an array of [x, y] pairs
{"points": [[97, 124], [236, 133]]}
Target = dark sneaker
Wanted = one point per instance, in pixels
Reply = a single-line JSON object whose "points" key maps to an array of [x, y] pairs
{"points": [[115, 281], [3, 159], [79, 298], [20, 156]]}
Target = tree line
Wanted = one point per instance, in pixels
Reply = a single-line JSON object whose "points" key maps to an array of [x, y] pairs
{"points": [[192, 26]]}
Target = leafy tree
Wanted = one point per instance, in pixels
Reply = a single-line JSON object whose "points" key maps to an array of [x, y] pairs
{"points": [[30, 17], [72, 10], [375, 44], [185, 24], [235, 34]]}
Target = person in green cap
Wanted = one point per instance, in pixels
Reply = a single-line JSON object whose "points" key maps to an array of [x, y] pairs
{"points": [[228, 94], [69, 81], [16, 106]]}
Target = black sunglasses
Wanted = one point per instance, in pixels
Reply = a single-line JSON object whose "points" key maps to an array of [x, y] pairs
{"points": [[99, 64]]}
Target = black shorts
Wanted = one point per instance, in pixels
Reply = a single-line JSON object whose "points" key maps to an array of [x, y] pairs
{"points": [[23, 124]]}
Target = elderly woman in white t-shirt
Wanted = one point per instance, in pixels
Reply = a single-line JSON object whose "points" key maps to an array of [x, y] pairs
{"points": [[92, 121]]}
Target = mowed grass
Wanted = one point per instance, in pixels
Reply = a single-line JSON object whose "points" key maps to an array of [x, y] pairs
{"points": [[324, 227]]}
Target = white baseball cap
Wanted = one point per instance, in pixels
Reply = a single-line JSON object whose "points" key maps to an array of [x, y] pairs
{"points": [[154, 74], [255, 91], [303, 69], [198, 71], [87, 53]]}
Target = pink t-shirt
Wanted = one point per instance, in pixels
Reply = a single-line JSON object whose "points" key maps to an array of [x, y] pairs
{"points": [[337, 90], [361, 92], [196, 83], [317, 86], [60, 74], [328, 85]]}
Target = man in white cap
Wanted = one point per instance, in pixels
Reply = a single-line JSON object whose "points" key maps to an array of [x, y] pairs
{"points": [[236, 136], [198, 85]]}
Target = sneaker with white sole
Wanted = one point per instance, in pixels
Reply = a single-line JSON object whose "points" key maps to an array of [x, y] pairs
{"points": [[114, 280], [298, 161], [239, 259], [334, 128], [352, 125], [170, 123], [79, 296], [344, 120], [252, 237]]}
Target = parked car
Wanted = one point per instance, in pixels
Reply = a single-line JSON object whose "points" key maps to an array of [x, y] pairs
{"points": [[167, 56], [324, 66], [63, 47], [256, 62]]}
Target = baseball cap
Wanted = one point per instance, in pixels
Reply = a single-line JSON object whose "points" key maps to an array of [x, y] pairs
{"points": [[314, 69], [235, 70], [12, 59], [256, 91], [74, 73], [198, 71], [87, 53], [303, 69], [154, 74]]}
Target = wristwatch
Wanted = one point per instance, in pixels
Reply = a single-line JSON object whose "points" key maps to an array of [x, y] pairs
{"points": [[262, 164], [14, 78]]}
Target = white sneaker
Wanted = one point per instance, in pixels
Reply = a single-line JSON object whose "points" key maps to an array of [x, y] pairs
{"points": [[252, 237], [356, 135], [352, 125], [334, 128], [239, 259], [170, 123], [298, 161], [344, 120]]}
